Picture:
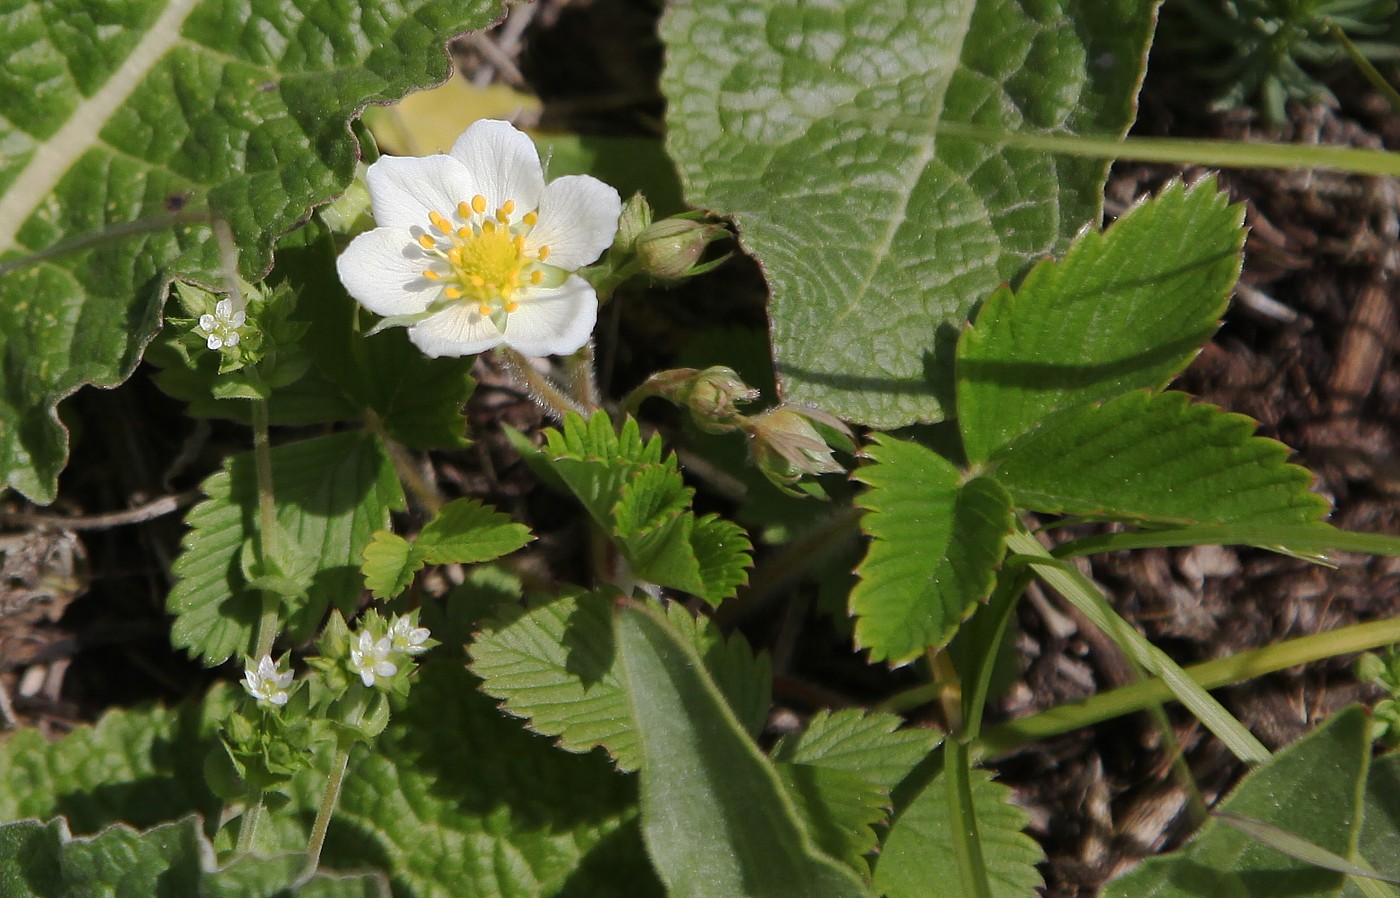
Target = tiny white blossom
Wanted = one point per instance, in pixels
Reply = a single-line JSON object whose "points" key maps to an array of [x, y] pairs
{"points": [[473, 250], [266, 682], [220, 329], [370, 658], [406, 638]]}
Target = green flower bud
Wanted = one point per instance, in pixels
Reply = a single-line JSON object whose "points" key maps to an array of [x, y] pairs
{"points": [[790, 442], [635, 219], [712, 397], [670, 248]]}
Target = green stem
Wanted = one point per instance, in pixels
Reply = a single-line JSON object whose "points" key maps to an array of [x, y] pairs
{"points": [[542, 390], [967, 841], [248, 825], [1210, 675], [267, 521], [339, 764], [583, 377], [1361, 62]]}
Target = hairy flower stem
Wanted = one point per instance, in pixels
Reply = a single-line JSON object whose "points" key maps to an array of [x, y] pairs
{"points": [[339, 764], [267, 521], [248, 826], [542, 390]]}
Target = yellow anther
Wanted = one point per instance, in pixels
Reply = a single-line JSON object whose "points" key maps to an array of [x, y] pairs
{"points": [[536, 276], [454, 255], [452, 292], [530, 219], [432, 275], [508, 206], [519, 242], [464, 210], [477, 280], [488, 227], [426, 241], [512, 305], [543, 253], [464, 232], [478, 204], [503, 216], [484, 310], [440, 222]]}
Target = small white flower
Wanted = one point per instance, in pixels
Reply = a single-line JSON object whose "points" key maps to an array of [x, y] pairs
{"points": [[474, 250], [406, 638], [267, 682], [221, 328], [369, 657]]}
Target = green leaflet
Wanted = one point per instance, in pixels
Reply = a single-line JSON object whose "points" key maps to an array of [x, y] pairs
{"points": [[555, 663], [44, 860], [126, 126], [818, 133], [465, 531], [332, 494], [1311, 789], [936, 544], [917, 859], [716, 819], [1126, 308], [1157, 458]]}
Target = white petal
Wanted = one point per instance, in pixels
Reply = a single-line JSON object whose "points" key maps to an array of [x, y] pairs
{"points": [[223, 308], [207, 322], [214, 342], [578, 220], [504, 163], [383, 269], [367, 677], [386, 669], [403, 190], [554, 322], [458, 330], [232, 338], [278, 698]]}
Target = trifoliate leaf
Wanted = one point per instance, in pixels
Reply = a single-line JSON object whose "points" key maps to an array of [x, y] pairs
{"points": [[127, 127], [918, 858], [651, 521], [466, 531], [555, 664], [1312, 789], [390, 563], [715, 816], [41, 860], [936, 544], [454, 800], [839, 808], [332, 494], [1156, 458], [1127, 308], [827, 133]]}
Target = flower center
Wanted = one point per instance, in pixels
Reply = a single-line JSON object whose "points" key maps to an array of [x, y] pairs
{"points": [[481, 259]]}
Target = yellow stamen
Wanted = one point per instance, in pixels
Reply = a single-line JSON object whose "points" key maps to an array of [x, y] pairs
{"points": [[477, 280], [452, 292], [432, 275], [484, 310], [536, 276], [488, 227], [464, 210], [440, 222], [464, 232], [543, 253], [519, 242], [530, 219], [454, 255], [511, 306], [426, 241], [508, 206], [478, 204]]}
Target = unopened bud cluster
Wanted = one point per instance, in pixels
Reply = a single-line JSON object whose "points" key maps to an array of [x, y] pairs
{"points": [[669, 249]]}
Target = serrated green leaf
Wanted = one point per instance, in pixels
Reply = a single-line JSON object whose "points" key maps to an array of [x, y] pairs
{"points": [[839, 772], [332, 494], [936, 543], [595, 461], [917, 859], [43, 860], [466, 531], [1311, 789], [115, 117], [1126, 308], [455, 800], [390, 563], [819, 134], [722, 549], [652, 522], [1156, 458], [714, 814], [555, 663]]}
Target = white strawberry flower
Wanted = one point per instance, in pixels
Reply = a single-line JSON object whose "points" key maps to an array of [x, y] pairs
{"points": [[473, 250], [370, 658], [266, 681]]}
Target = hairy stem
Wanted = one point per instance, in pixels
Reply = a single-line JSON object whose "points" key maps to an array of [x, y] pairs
{"points": [[267, 521], [542, 390]]}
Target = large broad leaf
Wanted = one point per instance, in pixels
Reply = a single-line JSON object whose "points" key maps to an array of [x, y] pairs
{"points": [[332, 494], [936, 543], [455, 801], [1157, 458], [1310, 790], [555, 663], [116, 115], [717, 821], [44, 860], [1127, 308], [918, 860], [817, 128]]}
